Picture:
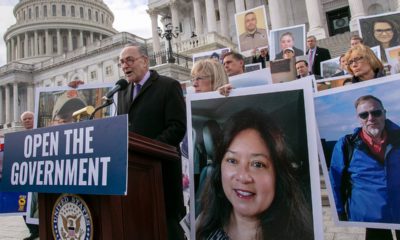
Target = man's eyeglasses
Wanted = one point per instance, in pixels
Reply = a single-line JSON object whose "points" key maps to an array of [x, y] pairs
{"points": [[381, 31], [354, 60], [129, 61], [374, 113], [200, 78]]}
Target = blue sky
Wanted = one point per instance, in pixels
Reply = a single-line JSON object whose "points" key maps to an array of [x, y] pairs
{"points": [[336, 115], [129, 16]]}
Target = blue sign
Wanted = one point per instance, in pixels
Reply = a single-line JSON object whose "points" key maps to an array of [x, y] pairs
{"points": [[88, 157], [13, 202]]}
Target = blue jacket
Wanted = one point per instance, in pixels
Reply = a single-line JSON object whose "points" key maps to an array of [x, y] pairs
{"points": [[375, 186]]}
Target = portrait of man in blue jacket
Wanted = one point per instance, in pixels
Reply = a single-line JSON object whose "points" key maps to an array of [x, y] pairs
{"points": [[365, 167]]}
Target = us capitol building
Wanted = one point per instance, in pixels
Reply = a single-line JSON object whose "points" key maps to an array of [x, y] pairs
{"points": [[55, 42]]}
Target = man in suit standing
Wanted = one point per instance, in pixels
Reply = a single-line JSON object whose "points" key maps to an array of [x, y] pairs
{"points": [[156, 109], [316, 55]]}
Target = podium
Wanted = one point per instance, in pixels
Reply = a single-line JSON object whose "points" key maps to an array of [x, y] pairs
{"points": [[138, 215]]}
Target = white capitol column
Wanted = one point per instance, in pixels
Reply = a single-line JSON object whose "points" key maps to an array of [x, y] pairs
{"points": [[26, 41], [1, 106], [80, 38], [18, 47], [41, 49], [197, 17], [59, 41], [8, 112], [356, 11], [223, 14], [15, 102], [173, 5], [35, 44], [8, 51], [211, 19], [30, 97], [276, 8], [314, 10], [47, 36], [239, 5], [154, 33], [69, 40], [12, 49], [398, 5], [91, 37]]}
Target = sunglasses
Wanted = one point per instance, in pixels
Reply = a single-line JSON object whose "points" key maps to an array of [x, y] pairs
{"points": [[374, 113]]}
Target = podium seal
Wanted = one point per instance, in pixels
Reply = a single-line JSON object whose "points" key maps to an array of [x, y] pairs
{"points": [[71, 218]]}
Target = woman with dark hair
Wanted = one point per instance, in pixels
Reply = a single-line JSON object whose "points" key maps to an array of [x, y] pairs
{"points": [[252, 192], [386, 34]]}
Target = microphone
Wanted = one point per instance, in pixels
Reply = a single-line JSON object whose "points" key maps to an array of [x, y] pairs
{"points": [[119, 86]]}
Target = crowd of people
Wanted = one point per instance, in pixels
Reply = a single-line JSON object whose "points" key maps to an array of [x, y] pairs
{"points": [[156, 109]]}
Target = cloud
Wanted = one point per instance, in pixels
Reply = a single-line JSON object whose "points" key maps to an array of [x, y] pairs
{"points": [[131, 16], [6, 20]]}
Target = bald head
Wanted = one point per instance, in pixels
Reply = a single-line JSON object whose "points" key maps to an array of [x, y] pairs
{"points": [[27, 119]]}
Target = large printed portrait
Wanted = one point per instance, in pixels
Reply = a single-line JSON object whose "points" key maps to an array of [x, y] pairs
{"points": [[381, 30], [57, 105], [254, 153], [252, 30], [215, 54], [393, 56], [293, 37], [362, 180]]}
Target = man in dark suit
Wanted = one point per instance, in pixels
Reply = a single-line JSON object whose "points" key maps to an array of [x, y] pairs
{"points": [[316, 55], [156, 109]]}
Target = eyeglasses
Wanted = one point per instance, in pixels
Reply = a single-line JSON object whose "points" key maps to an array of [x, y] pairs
{"points": [[354, 60], [129, 61], [381, 31], [374, 113], [200, 78]]}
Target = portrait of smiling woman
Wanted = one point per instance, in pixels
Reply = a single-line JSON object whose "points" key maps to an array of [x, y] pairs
{"points": [[381, 31], [252, 192]]}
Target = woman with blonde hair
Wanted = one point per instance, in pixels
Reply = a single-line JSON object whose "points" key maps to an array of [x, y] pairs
{"points": [[208, 75], [363, 64]]}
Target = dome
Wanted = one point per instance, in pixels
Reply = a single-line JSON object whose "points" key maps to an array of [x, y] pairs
{"points": [[45, 28]]}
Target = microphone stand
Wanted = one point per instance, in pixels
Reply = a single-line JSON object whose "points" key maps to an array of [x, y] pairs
{"points": [[108, 102]]}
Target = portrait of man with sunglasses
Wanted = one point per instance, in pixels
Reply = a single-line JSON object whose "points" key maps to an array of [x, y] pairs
{"points": [[365, 167]]}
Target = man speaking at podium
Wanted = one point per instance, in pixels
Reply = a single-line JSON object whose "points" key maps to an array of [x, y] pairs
{"points": [[156, 110]]}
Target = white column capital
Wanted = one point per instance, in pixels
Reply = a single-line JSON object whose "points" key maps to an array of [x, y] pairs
{"points": [[314, 10], [356, 10]]}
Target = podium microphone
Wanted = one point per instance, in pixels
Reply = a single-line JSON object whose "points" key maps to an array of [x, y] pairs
{"points": [[82, 113], [119, 86]]}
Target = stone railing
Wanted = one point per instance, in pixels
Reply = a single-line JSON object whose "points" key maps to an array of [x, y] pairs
{"points": [[162, 58], [191, 44], [16, 66]]}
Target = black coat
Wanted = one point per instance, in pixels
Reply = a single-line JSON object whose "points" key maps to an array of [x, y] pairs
{"points": [[158, 112], [321, 54]]}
